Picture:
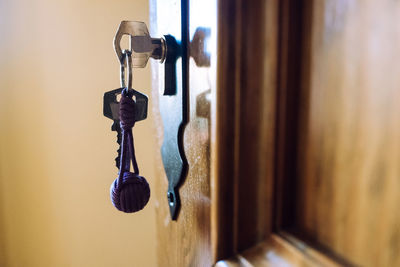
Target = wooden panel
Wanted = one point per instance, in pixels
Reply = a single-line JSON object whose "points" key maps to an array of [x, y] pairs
{"points": [[223, 221], [293, 60], [247, 76], [187, 241], [348, 187], [276, 251], [258, 78]]}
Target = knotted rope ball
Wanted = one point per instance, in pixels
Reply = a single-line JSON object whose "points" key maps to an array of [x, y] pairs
{"points": [[132, 195], [130, 192]]}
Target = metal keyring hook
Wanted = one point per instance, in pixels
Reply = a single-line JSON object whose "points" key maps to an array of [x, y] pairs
{"points": [[126, 58]]}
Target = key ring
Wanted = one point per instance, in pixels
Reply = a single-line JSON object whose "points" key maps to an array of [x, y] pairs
{"points": [[126, 58]]}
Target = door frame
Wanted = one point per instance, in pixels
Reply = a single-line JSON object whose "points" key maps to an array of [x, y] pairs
{"points": [[260, 47]]}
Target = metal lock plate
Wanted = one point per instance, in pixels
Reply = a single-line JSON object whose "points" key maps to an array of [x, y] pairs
{"points": [[172, 100]]}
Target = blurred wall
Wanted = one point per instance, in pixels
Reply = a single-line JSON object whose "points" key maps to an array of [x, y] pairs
{"points": [[56, 149]]}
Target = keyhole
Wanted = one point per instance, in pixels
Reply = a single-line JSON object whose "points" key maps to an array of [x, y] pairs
{"points": [[171, 198]]}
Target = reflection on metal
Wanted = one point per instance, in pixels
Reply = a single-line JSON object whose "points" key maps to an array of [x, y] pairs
{"points": [[203, 104], [198, 47]]}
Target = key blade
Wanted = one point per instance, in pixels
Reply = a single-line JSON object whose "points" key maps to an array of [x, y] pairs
{"points": [[116, 127]]}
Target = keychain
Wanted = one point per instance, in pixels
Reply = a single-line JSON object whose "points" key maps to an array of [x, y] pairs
{"points": [[129, 192]]}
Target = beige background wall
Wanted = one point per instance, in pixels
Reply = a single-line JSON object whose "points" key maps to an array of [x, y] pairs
{"points": [[56, 148]]}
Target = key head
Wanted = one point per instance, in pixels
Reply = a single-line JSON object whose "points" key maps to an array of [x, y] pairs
{"points": [[140, 106], [142, 45], [111, 104]]}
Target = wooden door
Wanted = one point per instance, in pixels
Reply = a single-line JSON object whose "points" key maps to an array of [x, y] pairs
{"points": [[325, 107], [292, 140], [347, 148]]}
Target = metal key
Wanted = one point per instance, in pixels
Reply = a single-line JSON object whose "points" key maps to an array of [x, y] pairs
{"points": [[111, 111]]}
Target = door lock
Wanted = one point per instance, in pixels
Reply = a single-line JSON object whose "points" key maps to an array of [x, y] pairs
{"points": [[173, 102]]}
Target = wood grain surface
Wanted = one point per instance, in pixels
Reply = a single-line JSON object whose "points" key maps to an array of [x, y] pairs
{"points": [[187, 241], [348, 149], [277, 251], [245, 130]]}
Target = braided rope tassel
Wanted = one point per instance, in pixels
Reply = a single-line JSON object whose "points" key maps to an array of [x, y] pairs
{"points": [[129, 192]]}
